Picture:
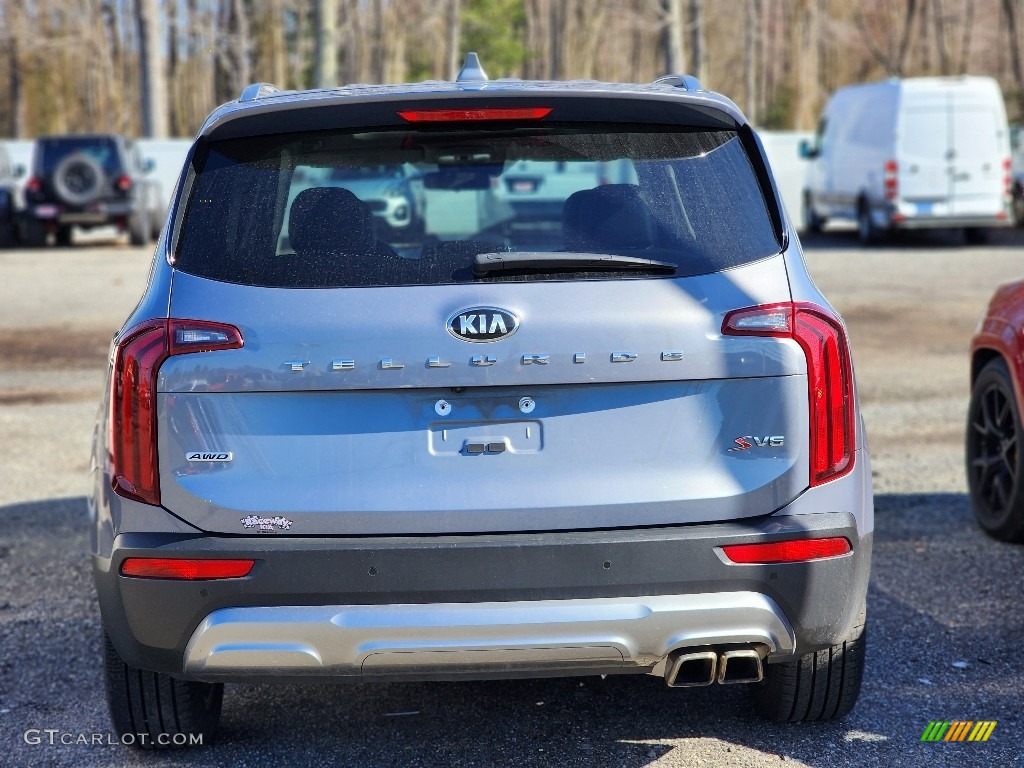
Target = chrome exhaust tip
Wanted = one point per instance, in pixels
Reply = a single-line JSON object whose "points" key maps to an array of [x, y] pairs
{"points": [[742, 666], [686, 670]]}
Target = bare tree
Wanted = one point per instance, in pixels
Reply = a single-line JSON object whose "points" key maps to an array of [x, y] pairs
{"points": [[454, 38], [887, 33], [808, 64], [967, 27], [698, 46], [15, 92], [672, 36], [325, 70], [751, 40], [941, 41], [153, 88], [1009, 14]]}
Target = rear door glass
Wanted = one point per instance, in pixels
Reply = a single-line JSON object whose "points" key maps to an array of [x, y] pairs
{"points": [[408, 207]]}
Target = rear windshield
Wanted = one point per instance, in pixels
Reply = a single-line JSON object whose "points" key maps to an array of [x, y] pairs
{"points": [[102, 150], [401, 207]]}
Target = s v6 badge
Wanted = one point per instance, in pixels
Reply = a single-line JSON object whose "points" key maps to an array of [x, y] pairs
{"points": [[747, 442]]}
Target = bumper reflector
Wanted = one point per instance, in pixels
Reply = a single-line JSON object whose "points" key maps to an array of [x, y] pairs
{"points": [[796, 551], [184, 570]]}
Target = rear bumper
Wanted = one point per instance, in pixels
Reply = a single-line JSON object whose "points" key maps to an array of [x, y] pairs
{"points": [[494, 639], [908, 216], [479, 606], [955, 222], [98, 213]]}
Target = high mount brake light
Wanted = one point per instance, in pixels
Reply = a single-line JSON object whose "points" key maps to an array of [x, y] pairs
{"points": [[795, 551], [829, 376], [137, 358], [485, 113], [185, 569]]}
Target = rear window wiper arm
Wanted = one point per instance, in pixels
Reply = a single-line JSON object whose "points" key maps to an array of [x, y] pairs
{"points": [[486, 263]]}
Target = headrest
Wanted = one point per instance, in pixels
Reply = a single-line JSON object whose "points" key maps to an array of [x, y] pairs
{"points": [[330, 219], [610, 217]]}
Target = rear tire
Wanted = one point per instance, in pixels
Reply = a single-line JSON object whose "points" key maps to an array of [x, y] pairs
{"points": [[6, 234], [866, 229], [975, 236], [823, 685], [35, 233], [1017, 205], [995, 465], [812, 221], [138, 228], [159, 711]]}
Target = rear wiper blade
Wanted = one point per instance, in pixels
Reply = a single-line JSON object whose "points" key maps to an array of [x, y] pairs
{"points": [[485, 263]]}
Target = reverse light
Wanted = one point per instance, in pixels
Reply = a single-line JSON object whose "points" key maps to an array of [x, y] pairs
{"points": [[185, 569], [794, 551], [485, 113], [829, 376], [137, 357]]}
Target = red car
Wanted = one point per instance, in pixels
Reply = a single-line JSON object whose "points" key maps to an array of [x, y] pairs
{"points": [[994, 429]]}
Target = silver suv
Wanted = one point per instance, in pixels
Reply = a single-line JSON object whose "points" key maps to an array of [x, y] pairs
{"points": [[622, 437]]}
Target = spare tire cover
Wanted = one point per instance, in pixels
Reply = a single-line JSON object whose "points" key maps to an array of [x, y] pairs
{"points": [[77, 179]]}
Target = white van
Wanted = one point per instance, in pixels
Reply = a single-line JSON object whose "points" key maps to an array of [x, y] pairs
{"points": [[910, 154]]}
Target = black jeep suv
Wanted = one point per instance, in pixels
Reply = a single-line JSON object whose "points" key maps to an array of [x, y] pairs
{"points": [[90, 181]]}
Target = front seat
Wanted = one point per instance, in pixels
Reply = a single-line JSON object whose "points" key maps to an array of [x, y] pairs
{"points": [[332, 231], [613, 217]]}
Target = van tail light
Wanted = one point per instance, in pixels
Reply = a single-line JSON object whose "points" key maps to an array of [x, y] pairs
{"points": [[793, 551], [829, 376], [892, 182], [1007, 177], [183, 569], [138, 355]]}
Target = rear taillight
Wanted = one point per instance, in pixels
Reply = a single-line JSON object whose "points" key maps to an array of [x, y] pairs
{"points": [[829, 376], [892, 182], [1007, 177], [485, 113], [185, 569], [34, 187], [123, 183], [137, 358], [794, 551]]}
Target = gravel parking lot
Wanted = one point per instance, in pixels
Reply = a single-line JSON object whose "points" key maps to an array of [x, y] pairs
{"points": [[945, 620]]}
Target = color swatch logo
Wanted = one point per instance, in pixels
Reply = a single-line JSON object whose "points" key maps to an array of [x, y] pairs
{"points": [[958, 730]]}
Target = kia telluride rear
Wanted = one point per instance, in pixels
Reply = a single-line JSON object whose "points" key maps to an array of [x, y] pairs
{"points": [[614, 433]]}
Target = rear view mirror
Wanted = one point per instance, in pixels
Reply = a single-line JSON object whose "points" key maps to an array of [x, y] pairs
{"points": [[807, 150], [458, 178]]}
